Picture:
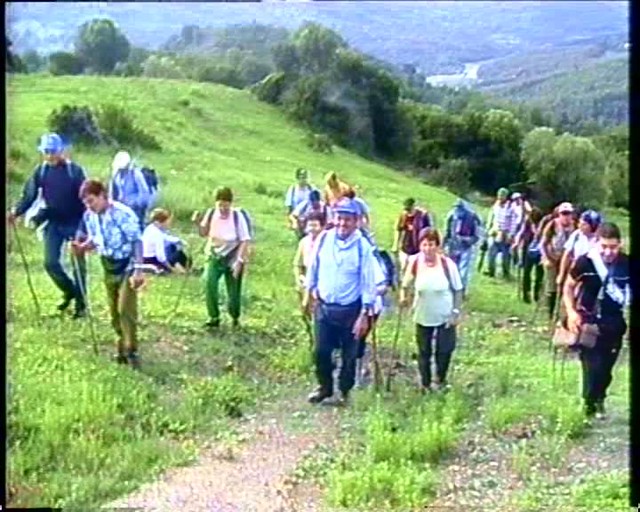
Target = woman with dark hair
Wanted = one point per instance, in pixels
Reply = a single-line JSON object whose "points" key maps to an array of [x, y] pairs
{"points": [[528, 246], [437, 300], [228, 235]]}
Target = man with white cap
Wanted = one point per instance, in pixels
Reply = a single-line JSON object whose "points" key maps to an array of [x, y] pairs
{"points": [[341, 288], [502, 228], [58, 181], [128, 185], [552, 243]]}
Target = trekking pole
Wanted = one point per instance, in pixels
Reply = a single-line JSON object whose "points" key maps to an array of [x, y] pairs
{"points": [[377, 373], [23, 257], [83, 292], [394, 349], [183, 287]]}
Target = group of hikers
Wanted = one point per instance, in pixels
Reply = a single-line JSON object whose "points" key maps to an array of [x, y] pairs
{"points": [[343, 278]]}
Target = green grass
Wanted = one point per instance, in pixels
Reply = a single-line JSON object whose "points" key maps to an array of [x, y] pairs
{"points": [[83, 431]]}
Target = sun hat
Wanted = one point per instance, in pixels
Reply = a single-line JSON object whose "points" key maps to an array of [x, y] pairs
{"points": [[51, 144]]}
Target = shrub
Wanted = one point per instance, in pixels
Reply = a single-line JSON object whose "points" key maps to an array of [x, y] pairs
{"points": [[452, 174], [271, 88], [118, 125], [320, 143], [75, 123], [64, 63]]}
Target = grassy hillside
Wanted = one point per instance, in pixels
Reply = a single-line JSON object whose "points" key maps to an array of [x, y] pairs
{"points": [[83, 431]]}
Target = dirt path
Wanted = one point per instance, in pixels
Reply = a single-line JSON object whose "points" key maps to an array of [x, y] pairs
{"points": [[256, 479]]}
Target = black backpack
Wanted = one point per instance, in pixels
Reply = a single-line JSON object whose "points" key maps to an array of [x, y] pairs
{"points": [[151, 178]]}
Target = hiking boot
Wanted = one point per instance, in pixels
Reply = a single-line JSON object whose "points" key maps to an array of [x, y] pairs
{"points": [[589, 410], [120, 358], [340, 399], [601, 414], [66, 302], [80, 311], [134, 360], [212, 324], [318, 396]]}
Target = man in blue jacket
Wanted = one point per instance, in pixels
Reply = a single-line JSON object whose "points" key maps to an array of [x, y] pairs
{"points": [[59, 180], [129, 187]]}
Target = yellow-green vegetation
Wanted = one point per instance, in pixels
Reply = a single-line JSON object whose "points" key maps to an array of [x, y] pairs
{"points": [[83, 431]]}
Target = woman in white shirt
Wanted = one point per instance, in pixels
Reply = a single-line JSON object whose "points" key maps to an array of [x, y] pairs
{"points": [[228, 238], [437, 298], [161, 249], [580, 242]]}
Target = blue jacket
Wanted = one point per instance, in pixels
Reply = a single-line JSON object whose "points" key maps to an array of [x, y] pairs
{"points": [[60, 186], [130, 188]]}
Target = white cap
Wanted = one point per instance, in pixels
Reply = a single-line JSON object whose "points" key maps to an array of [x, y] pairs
{"points": [[565, 208], [121, 161], [516, 195]]}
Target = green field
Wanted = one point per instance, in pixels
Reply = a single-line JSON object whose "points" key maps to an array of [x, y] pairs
{"points": [[83, 431]]}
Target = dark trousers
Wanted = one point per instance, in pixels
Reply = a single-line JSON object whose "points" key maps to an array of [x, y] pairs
{"points": [[597, 362], [533, 266], [55, 235], [445, 342], [333, 326], [175, 255]]}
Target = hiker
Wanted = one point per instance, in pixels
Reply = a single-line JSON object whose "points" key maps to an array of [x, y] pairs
{"points": [[161, 249], [228, 234], [520, 209], [410, 223], [364, 220], [437, 300], [552, 242], [335, 189], [463, 227], [341, 289], [580, 242], [299, 192], [128, 186], [501, 227], [56, 184], [301, 261], [602, 276], [312, 205], [112, 229], [527, 244]]}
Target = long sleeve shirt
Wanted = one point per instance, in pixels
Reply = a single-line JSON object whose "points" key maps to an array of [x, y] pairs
{"points": [[502, 218], [115, 233], [342, 271], [129, 187], [155, 241], [60, 186]]}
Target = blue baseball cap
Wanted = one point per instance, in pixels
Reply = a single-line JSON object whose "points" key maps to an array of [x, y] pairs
{"points": [[347, 206], [51, 144], [591, 217]]}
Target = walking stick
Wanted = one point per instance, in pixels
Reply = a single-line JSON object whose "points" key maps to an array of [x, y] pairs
{"points": [[27, 272], [394, 349], [377, 373], [83, 292]]}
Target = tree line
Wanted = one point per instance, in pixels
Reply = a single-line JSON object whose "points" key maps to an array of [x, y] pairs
{"points": [[462, 140]]}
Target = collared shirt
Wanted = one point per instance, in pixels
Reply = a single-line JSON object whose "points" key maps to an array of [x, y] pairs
{"points": [[579, 244], [129, 187], [114, 232], [296, 195], [342, 271], [502, 218]]}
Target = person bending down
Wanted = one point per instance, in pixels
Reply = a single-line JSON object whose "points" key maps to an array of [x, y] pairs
{"points": [[161, 249]]}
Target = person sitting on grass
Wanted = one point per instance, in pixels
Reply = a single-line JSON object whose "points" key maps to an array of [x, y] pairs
{"points": [[227, 248], [437, 299], [161, 249], [112, 230]]}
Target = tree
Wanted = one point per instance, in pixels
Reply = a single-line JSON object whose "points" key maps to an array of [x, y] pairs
{"points": [[316, 47], [65, 63], [100, 45], [157, 66], [564, 168], [34, 62], [13, 62]]}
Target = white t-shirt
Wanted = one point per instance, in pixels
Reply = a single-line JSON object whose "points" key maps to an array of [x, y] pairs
{"points": [[433, 301], [578, 244], [155, 241], [223, 237]]}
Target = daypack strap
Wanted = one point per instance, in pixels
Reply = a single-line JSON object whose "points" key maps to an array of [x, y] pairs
{"points": [[320, 242], [445, 268], [608, 286]]}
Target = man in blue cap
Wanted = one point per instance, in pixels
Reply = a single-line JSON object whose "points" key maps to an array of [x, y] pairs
{"points": [[341, 287], [462, 232], [60, 181]]}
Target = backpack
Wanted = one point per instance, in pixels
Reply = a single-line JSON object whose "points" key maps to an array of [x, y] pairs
{"points": [[445, 267], [151, 179], [466, 225], [386, 262], [235, 211]]}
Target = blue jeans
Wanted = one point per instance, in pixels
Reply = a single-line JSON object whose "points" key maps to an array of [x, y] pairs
{"points": [[463, 259], [505, 250], [55, 235], [333, 325]]}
